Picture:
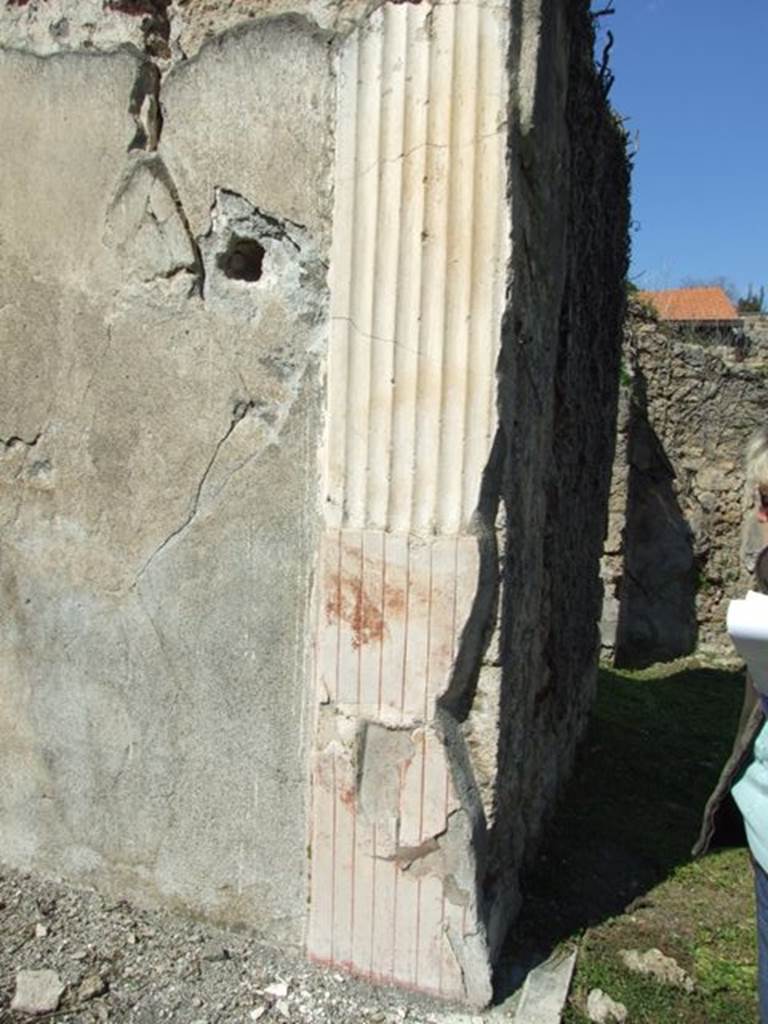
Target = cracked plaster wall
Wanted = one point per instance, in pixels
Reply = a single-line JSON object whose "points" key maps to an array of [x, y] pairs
{"points": [[165, 321], [160, 405]]}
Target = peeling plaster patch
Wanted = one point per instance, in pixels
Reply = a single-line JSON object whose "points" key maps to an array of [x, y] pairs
{"points": [[170, 33], [146, 227], [197, 21], [384, 753], [253, 259], [279, 317], [144, 107], [445, 856], [269, 89], [337, 730], [56, 26], [155, 23]]}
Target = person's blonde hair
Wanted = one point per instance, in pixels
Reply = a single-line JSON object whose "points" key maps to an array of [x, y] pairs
{"points": [[757, 459]]}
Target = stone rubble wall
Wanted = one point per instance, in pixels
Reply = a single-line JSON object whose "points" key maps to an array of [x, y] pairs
{"points": [[678, 506], [756, 331], [311, 319]]}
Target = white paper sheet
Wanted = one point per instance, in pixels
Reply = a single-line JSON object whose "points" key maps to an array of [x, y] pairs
{"points": [[748, 629]]}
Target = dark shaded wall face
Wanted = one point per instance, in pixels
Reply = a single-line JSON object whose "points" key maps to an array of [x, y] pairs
{"points": [[657, 612], [559, 375], [657, 617]]}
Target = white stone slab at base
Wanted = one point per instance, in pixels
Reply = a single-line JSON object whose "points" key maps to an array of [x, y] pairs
{"points": [[545, 990]]}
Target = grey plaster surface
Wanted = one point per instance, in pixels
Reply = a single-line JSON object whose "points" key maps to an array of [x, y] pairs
{"points": [[266, 132], [158, 489]]}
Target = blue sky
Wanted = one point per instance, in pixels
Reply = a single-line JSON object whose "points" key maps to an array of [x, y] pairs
{"points": [[692, 84]]}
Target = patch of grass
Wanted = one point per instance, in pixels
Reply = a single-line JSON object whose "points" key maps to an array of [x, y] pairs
{"points": [[615, 870]]}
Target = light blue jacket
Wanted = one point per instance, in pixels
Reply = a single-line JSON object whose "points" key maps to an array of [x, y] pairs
{"points": [[751, 796]]}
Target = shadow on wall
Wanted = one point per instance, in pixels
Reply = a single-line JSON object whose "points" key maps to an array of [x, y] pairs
{"points": [[657, 616]]}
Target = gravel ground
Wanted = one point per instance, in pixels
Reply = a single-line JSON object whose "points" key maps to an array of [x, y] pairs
{"points": [[118, 963]]}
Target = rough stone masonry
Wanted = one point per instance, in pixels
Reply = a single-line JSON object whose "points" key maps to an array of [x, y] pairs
{"points": [[310, 321], [678, 504]]}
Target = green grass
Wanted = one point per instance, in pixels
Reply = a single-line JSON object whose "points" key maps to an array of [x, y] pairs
{"points": [[615, 871]]}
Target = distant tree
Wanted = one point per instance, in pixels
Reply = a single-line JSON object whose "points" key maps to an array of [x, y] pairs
{"points": [[752, 302], [728, 287]]}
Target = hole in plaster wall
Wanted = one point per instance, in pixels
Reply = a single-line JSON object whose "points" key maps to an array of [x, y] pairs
{"points": [[243, 259]]}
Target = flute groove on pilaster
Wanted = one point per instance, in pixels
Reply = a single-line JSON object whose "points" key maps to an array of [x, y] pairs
{"points": [[419, 253], [417, 284]]}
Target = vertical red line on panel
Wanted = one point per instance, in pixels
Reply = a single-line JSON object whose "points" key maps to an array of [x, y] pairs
{"points": [[359, 626], [454, 614], [455, 648], [406, 616], [319, 595], [383, 616], [429, 639], [442, 909], [418, 936], [373, 899], [333, 864], [338, 620], [352, 888], [423, 760], [335, 786], [394, 898]]}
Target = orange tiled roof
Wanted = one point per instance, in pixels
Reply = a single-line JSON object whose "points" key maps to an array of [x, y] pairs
{"points": [[709, 303]]}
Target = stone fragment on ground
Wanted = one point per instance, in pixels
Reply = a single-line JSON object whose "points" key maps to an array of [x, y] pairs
{"points": [[278, 989], [601, 1009], [37, 992], [92, 986], [545, 990], [119, 964], [653, 963]]}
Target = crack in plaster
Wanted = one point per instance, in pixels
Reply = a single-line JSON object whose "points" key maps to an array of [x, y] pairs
{"points": [[275, 226], [15, 441], [407, 856], [469, 144], [239, 412], [123, 237], [144, 108], [384, 341]]}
